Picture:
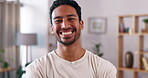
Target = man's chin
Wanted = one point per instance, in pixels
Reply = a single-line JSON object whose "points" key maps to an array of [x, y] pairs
{"points": [[67, 43]]}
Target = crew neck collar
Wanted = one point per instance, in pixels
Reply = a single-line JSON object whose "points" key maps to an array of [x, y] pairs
{"points": [[61, 60]]}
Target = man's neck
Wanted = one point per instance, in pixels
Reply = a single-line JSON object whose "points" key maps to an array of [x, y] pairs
{"points": [[71, 52]]}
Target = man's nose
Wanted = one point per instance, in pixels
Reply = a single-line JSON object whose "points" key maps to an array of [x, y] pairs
{"points": [[65, 24]]}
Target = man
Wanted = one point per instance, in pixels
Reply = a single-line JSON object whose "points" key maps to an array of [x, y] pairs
{"points": [[69, 60]]}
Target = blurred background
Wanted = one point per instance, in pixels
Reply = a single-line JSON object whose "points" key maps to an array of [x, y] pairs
{"points": [[29, 19]]}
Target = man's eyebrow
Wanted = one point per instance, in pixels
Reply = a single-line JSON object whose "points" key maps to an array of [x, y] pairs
{"points": [[71, 15], [66, 16], [57, 17]]}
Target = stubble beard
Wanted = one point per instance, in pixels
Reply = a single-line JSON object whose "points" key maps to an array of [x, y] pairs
{"points": [[77, 36]]}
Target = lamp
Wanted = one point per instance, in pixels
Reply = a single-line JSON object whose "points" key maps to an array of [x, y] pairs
{"points": [[27, 40]]}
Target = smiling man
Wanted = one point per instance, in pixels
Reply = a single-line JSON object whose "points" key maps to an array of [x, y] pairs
{"points": [[66, 24], [69, 60]]}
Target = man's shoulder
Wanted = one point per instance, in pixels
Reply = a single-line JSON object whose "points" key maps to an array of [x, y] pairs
{"points": [[40, 62], [101, 65], [97, 59]]}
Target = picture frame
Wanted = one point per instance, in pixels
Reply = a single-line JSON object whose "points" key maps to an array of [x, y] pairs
{"points": [[97, 25]]}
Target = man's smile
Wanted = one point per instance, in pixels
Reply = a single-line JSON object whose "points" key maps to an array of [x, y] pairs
{"points": [[67, 31]]}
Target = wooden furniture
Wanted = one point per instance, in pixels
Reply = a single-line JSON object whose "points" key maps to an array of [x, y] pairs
{"points": [[6, 71], [134, 30]]}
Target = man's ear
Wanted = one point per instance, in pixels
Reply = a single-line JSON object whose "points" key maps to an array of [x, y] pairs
{"points": [[52, 32], [81, 24]]}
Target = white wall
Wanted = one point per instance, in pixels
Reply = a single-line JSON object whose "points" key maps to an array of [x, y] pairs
{"points": [[34, 19], [110, 9]]}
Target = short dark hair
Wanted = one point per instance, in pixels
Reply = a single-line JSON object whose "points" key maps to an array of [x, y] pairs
{"points": [[65, 2]]}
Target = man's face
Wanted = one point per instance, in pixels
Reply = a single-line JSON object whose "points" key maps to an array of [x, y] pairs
{"points": [[66, 25]]}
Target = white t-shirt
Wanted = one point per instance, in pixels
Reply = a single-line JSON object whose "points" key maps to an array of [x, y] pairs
{"points": [[52, 66]]}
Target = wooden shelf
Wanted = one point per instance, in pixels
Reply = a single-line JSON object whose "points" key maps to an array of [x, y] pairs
{"points": [[132, 69], [134, 32], [139, 34], [144, 71], [128, 69], [140, 15], [6, 69], [136, 15], [123, 16], [143, 52]]}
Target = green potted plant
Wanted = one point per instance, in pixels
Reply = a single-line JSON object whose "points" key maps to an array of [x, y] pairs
{"points": [[20, 70], [146, 23], [97, 50], [3, 64], [1, 51], [145, 20]]}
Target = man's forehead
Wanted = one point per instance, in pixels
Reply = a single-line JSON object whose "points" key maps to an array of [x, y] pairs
{"points": [[64, 9]]}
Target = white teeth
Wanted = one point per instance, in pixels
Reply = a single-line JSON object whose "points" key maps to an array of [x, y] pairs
{"points": [[66, 33]]}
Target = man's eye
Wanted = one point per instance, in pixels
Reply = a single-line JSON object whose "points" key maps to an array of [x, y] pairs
{"points": [[58, 21], [71, 19]]}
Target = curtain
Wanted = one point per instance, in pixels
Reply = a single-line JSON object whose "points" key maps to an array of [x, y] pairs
{"points": [[9, 26]]}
